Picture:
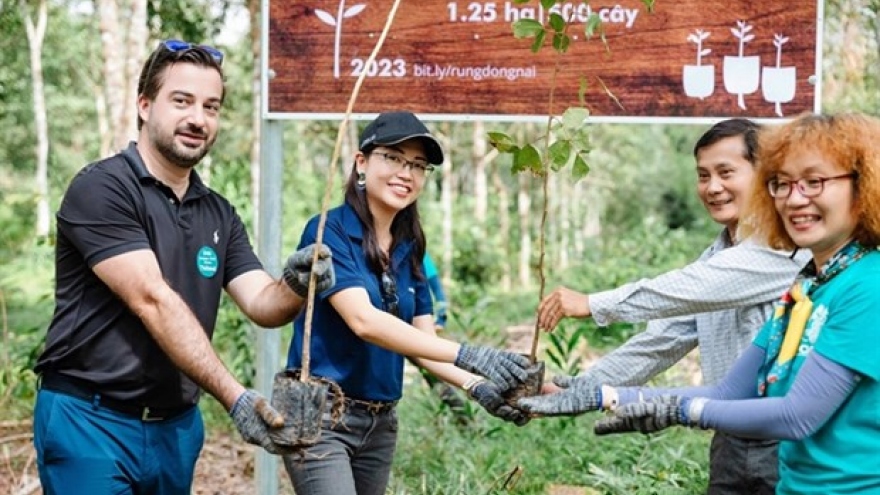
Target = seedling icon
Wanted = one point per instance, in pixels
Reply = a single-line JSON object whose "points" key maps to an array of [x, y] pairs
{"points": [[778, 83], [342, 13], [699, 80], [742, 74]]}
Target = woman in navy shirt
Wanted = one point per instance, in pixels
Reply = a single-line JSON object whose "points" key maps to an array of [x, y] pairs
{"points": [[379, 311]]}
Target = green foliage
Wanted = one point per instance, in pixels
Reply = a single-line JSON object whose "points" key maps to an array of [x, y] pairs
{"points": [[26, 305], [570, 146], [489, 456]]}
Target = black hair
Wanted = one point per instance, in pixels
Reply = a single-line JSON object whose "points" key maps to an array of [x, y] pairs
{"points": [[746, 128], [153, 72], [406, 225]]}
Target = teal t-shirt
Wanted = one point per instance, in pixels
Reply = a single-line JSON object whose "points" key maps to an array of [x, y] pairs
{"points": [[843, 457]]}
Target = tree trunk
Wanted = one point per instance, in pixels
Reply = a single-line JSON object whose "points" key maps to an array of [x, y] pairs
{"points": [[122, 47], [578, 216], [256, 112], [478, 158], [447, 194], [525, 244], [106, 135], [135, 54], [36, 33], [552, 229], [503, 225]]}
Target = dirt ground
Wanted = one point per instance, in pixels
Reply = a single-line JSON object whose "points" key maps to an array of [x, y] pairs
{"points": [[225, 467]]}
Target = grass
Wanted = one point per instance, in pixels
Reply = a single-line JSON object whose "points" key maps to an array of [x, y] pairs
{"points": [[437, 456]]}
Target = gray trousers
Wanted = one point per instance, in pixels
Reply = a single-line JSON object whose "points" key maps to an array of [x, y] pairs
{"points": [[742, 466], [351, 458]]}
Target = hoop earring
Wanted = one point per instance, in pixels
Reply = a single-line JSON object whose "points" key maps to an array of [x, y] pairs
{"points": [[362, 181]]}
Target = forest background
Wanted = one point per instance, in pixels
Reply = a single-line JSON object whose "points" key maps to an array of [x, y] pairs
{"points": [[67, 72]]}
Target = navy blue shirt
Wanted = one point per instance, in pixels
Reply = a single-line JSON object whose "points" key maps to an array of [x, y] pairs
{"points": [[363, 370], [112, 207]]}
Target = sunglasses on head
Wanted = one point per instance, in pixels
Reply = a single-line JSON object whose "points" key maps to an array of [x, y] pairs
{"points": [[182, 46]]}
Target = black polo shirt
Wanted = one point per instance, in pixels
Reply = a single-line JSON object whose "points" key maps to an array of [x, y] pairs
{"points": [[112, 207]]}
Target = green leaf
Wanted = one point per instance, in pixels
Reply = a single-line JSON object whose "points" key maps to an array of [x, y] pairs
{"points": [[549, 3], [650, 5], [526, 28], [580, 169], [560, 155], [580, 140], [575, 117], [539, 41], [593, 24], [502, 142], [527, 158], [557, 22], [561, 42]]}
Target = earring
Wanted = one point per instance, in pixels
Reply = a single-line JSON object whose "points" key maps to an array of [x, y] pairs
{"points": [[362, 181]]}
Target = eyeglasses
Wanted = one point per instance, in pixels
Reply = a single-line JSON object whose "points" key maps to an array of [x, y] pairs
{"points": [[182, 46], [419, 168], [389, 294], [809, 187]]}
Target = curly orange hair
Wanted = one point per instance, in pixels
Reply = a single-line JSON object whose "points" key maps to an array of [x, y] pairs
{"points": [[850, 140]]}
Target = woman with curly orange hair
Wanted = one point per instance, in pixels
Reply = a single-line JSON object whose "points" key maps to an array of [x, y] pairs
{"points": [[812, 375]]}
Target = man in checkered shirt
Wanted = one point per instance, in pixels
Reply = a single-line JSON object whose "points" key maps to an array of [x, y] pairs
{"points": [[718, 302]]}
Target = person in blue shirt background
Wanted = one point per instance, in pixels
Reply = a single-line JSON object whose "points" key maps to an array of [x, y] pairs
{"points": [[379, 311], [448, 394], [440, 301]]}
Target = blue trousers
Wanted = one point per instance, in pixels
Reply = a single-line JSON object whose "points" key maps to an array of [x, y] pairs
{"points": [[352, 457], [86, 449]]}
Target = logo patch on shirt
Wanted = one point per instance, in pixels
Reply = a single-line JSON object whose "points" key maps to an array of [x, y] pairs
{"points": [[207, 262]]}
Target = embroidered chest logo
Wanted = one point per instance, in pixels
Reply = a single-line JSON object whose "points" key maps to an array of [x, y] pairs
{"points": [[207, 261]]}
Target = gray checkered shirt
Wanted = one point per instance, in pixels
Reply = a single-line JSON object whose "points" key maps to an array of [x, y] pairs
{"points": [[719, 301]]}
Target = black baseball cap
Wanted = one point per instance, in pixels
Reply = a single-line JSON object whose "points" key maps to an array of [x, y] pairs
{"points": [[396, 127]]}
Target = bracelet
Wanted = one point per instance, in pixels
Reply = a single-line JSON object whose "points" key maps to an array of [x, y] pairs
{"points": [[610, 398], [471, 384]]}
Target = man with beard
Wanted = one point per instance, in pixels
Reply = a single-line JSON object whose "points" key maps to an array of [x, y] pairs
{"points": [[144, 251]]}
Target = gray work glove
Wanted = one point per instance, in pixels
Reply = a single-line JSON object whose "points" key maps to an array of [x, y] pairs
{"points": [[650, 416], [299, 266], [488, 395], [506, 369], [579, 394], [254, 417]]}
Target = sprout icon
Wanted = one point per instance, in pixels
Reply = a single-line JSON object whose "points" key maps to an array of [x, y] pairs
{"points": [[742, 74], [778, 83], [699, 80], [336, 22]]}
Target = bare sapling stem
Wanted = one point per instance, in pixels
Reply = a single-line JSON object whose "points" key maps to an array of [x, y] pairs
{"points": [[545, 179], [325, 204]]}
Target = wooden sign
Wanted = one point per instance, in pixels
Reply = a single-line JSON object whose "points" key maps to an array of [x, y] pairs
{"points": [[459, 59]]}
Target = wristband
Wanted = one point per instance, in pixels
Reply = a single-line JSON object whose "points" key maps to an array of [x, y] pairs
{"points": [[471, 384], [610, 398], [695, 410]]}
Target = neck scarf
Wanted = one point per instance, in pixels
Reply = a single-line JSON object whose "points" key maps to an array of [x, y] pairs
{"points": [[791, 312]]}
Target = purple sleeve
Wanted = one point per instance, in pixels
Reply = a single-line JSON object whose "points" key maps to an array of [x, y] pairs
{"points": [[820, 387], [738, 383]]}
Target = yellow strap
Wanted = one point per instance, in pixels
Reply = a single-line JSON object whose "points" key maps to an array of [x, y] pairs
{"points": [[803, 306]]}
